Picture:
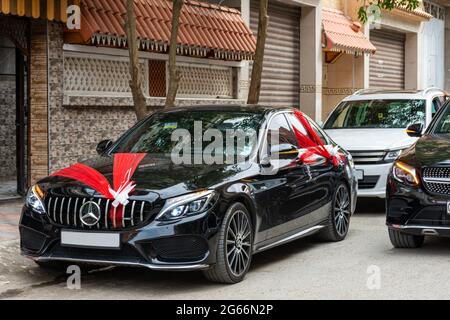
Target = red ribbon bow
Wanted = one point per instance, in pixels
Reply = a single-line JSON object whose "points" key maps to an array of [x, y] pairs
{"points": [[125, 165], [312, 143]]}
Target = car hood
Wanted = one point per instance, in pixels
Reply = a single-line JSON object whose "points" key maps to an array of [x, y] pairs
{"points": [[430, 150], [371, 139], [158, 176]]}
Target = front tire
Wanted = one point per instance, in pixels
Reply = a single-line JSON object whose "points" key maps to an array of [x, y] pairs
{"points": [[402, 240], [339, 218], [234, 248]]}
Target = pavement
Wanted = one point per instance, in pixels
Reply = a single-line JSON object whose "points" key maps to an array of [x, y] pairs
{"points": [[365, 266]]}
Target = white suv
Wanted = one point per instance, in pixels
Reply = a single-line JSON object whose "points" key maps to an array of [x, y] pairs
{"points": [[371, 125]]}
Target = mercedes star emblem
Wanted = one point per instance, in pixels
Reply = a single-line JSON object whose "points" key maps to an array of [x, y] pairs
{"points": [[90, 213]]}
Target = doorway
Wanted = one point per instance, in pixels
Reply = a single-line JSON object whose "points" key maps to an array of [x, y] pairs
{"points": [[14, 119]]}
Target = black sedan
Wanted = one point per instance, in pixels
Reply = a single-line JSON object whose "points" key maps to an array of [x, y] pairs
{"points": [[204, 215], [418, 190]]}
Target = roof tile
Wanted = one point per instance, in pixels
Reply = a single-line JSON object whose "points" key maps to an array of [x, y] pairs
{"points": [[340, 36], [202, 26]]}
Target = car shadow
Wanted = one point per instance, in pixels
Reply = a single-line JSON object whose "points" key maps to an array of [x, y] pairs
{"points": [[370, 206]]}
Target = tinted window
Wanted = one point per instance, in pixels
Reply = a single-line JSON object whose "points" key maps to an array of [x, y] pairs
{"points": [[377, 114], [279, 127], [154, 136], [443, 125]]}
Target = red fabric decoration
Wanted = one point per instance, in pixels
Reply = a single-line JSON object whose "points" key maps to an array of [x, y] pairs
{"points": [[125, 165], [312, 143]]}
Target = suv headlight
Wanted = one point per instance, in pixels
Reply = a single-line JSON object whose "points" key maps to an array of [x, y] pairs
{"points": [[405, 174], [391, 156], [34, 199], [188, 205]]}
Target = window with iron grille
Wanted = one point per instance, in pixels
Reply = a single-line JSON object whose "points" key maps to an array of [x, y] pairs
{"points": [[157, 78]]}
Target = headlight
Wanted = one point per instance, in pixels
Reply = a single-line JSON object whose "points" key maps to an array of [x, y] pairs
{"points": [[34, 199], [392, 155], [188, 205], [405, 174]]}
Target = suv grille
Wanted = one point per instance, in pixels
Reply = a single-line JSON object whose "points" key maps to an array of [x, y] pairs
{"points": [[369, 182], [437, 180], [368, 157], [65, 212]]}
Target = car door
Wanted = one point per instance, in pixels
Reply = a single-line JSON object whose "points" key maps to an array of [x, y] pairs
{"points": [[288, 184], [317, 194]]}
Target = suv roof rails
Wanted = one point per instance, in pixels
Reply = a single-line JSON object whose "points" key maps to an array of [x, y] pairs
{"points": [[380, 91], [430, 89]]}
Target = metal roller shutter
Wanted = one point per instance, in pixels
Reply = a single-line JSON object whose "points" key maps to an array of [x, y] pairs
{"points": [[387, 66], [281, 75]]}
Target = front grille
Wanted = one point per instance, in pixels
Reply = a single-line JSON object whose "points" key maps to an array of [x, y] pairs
{"points": [[437, 180], [368, 157], [369, 182], [65, 211]]}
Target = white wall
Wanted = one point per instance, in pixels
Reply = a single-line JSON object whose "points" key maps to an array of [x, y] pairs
{"points": [[433, 44]]}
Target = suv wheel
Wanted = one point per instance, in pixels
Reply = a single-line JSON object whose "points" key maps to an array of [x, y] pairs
{"points": [[402, 240], [234, 251], [339, 217]]}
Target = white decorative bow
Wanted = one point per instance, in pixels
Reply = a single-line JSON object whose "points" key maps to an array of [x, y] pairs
{"points": [[122, 195]]}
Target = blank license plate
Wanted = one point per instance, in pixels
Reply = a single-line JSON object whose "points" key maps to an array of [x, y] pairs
{"points": [[360, 174], [90, 240]]}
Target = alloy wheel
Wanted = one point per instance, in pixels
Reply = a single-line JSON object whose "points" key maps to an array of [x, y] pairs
{"points": [[238, 244], [342, 211]]}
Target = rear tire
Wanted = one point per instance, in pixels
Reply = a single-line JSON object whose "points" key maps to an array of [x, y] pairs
{"points": [[402, 240], [339, 217], [234, 247]]}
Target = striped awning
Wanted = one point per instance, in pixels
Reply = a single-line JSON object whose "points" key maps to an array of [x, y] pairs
{"points": [[43, 9]]}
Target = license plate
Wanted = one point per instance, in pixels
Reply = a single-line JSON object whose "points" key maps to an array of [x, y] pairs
{"points": [[360, 174], [90, 240]]}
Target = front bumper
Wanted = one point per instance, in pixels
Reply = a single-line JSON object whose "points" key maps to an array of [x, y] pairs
{"points": [[414, 211], [379, 172], [189, 244]]}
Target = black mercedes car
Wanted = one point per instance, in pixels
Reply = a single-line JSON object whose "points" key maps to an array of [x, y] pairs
{"points": [[418, 188], [211, 217]]}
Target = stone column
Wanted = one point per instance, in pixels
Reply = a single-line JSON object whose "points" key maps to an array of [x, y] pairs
{"points": [[311, 62], [38, 130]]}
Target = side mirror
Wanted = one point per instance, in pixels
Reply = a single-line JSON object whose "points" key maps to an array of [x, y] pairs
{"points": [[284, 152], [103, 146], [415, 130]]}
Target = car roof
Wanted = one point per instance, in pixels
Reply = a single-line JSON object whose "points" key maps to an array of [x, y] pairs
{"points": [[379, 94], [262, 109]]}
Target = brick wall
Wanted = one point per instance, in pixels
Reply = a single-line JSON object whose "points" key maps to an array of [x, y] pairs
{"points": [[38, 101], [7, 127]]}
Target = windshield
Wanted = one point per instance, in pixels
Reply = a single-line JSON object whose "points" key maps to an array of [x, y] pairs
{"points": [[163, 133], [389, 114], [443, 124]]}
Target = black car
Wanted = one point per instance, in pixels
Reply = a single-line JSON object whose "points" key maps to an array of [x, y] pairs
{"points": [[418, 188], [210, 217]]}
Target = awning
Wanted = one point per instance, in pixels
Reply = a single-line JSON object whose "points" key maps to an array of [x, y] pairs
{"points": [[341, 34], [206, 30], [44, 9]]}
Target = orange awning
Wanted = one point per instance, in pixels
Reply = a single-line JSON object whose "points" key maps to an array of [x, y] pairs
{"points": [[44, 9], [340, 33], [205, 30]]}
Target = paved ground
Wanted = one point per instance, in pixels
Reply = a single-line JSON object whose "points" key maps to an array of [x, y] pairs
{"points": [[304, 269]]}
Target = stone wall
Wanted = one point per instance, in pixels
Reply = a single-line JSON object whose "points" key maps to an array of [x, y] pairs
{"points": [[38, 102], [8, 128]]}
